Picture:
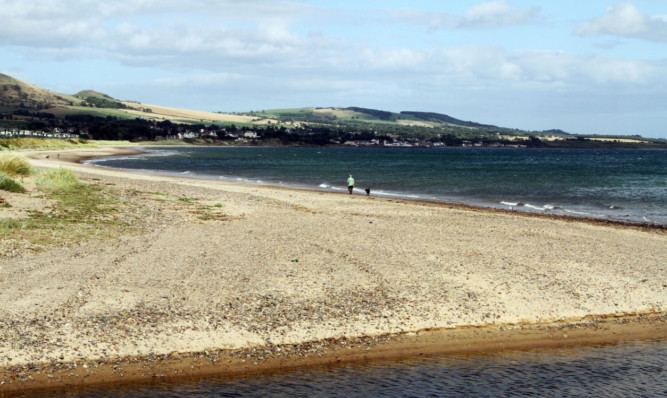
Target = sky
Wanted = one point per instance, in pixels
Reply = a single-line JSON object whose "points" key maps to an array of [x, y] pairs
{"points": [[583, 66]]}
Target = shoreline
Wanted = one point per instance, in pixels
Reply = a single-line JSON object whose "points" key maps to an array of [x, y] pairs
{"points": [[591, 220], [498, 280]]}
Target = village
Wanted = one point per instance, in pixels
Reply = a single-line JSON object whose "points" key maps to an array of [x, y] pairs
{"points": [[250, 136]]}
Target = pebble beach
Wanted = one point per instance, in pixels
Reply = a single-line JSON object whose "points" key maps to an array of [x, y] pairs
{"points": [[215, 276]]}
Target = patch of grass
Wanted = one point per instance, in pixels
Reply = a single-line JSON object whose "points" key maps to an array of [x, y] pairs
{"points": [[8, 224], [42, 143], [80, 212], [218, 205], [14, 164], [10, 185], [187, 200], [55, 180], [203, 215]]}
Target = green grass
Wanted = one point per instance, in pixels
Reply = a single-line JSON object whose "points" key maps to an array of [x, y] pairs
{"points": [[10, 224], [14, 164], [10, 185], [12, 144], [103, 112], [79, 212], [56, 180]]}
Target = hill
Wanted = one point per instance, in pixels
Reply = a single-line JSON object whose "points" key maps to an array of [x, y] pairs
{"points": [[99, 100], [358, 115], [92, 93], [18, 94], [15, 94], [446, 119], [23, 105]]}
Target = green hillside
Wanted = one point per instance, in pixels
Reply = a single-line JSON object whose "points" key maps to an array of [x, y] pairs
{"points": [[99, 100], [366, 115], [18, 94]]}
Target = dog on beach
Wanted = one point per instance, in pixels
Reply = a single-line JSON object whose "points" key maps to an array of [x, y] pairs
{"points": [[368, 191]]}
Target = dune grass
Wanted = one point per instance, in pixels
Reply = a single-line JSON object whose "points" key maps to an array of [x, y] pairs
{"points": [[14, 164], [56, 180], [9, 184], [12, 144], [79, 211]]}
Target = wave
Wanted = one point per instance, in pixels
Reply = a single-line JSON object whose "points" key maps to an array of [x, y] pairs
{"points": [[144, 155], [582, 213]]}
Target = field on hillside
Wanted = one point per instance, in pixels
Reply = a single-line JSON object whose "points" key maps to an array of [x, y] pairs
{"points": [[175, 114]]}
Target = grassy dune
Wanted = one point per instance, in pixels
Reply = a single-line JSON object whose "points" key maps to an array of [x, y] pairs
{"points": [[12, 144], [14, 164], [76, 211]]}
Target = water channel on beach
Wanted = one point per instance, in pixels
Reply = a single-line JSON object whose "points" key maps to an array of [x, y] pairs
{"points": [[635, 368]]}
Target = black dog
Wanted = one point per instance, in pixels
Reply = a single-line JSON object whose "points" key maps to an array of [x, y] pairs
{"points": [[368, 191]]}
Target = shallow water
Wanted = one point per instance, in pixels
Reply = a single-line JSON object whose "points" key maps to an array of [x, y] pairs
{"points": [[627, 185], [618, 370]]}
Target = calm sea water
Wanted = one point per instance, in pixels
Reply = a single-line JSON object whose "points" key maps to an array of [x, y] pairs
{"points": [[633, 369], [626, 185]]}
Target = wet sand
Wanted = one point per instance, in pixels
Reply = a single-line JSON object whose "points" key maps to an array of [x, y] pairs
{"points": [[274, 278]]}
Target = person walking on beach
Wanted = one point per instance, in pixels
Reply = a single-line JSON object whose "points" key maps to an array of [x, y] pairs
{"points": [[350, 184]]}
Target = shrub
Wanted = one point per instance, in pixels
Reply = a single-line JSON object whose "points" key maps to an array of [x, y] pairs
{"points": [[14, 164], [8, 184]]}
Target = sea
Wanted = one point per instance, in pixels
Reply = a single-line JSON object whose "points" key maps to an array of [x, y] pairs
{"points": [[617, 185], [620, 185]]}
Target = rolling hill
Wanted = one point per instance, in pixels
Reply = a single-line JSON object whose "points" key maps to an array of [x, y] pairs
{"points": [[15, 93], [21, 102]]}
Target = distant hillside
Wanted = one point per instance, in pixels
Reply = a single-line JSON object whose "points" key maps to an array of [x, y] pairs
{"points": [[99, 100], [18, 94], [438, 117], [23, 104], [92, 93], [382, 115]]}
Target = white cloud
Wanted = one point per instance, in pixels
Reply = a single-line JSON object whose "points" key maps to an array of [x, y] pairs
{"points": [[489, 15], [625, 20], [498, 13], [274, 53]]}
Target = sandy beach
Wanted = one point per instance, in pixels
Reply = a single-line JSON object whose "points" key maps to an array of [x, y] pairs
{"points": [[217, 277]]}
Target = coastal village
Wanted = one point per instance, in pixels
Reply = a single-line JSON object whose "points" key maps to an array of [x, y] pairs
{"points": [[248, 136]]}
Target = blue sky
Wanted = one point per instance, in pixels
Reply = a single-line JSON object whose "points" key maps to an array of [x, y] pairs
{"points": [[585, 66]]}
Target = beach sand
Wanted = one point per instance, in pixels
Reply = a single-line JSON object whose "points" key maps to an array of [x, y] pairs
{"points": [[220, 277]]}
